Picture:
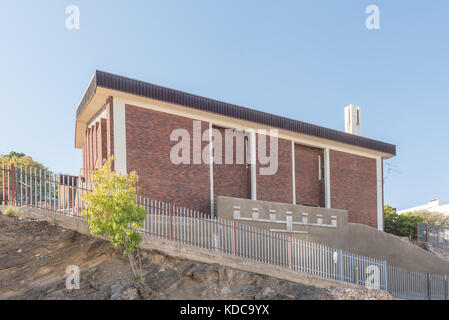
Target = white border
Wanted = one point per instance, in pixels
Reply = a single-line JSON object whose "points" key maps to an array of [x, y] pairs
{"points": [[224, 121], [380, 221], [211, 172], [327, 179], [293, 173], [119, 121], [252, 145]]}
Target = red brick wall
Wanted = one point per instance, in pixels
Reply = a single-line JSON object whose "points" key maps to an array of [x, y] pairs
{"points": [[85, 151], [91, 147], [353, 182], [95, 145], [99, 141], [309, 188], [102, 143], [231, 180], [148, 148], [277, 187]]}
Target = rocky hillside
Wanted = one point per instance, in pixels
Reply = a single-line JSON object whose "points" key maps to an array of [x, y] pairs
{"points": [[34, 256]]}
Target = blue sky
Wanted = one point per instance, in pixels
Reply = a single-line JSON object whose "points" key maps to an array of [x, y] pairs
{"points": [[301, 59]]}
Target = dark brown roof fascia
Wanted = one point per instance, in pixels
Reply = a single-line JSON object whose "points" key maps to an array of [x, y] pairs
{"points": [[148, 90]]}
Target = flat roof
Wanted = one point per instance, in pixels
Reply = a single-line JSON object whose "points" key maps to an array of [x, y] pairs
{"points": [[149, 90]]}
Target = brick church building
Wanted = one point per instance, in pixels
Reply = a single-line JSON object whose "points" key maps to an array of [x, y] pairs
{"points": [[134, 121]]}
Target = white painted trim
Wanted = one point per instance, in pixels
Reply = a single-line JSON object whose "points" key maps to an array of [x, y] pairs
{"points": [[228, 122], [380, 221], [102, 115], [119, 136], [327, 179], [211, 172], [293, 173], [252, 146]]}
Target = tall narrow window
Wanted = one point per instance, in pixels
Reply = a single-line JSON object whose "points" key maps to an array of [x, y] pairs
{"points": [[247, 151], [321, 167]]}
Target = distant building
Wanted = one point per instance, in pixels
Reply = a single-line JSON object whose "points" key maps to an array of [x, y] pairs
{"points": [[431, 206]]}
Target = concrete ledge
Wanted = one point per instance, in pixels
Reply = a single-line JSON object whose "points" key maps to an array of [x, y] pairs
{"points": [[181, 251], [69, 222], [177, 250]]}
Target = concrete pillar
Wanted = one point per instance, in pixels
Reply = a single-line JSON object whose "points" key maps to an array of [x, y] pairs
{"points": [[253, 150], [293, 173], [380, 209], [327, 182], [211, 172], [119, 125]]}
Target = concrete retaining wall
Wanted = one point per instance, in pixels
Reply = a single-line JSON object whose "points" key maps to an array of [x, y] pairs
{"points": [[352, 237], [275, 215]]}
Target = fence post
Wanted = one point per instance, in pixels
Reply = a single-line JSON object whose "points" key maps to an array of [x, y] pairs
{"points": [[334, 263], [35, 187], [445, 287], [233, 237], [216, 235], [171, 222], [9, 185], [429, 289], [290, 252], [438, 234], [340, 264], [385, 275], [3, 184], [13, 185]]}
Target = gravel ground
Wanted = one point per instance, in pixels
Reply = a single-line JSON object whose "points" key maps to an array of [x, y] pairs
{"points": [[361, 294]]}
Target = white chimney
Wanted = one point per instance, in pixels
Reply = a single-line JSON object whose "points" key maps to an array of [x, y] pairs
{"points": [[352, 120]]}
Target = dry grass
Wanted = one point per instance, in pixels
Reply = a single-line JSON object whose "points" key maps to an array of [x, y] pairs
{"points": [[9, 211]]}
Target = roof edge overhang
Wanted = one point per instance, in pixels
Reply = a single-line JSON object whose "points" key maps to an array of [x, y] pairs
{"points": [[105, 84]]}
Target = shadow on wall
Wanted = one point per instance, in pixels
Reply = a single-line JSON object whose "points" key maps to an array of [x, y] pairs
{"points": [[331, 228]]}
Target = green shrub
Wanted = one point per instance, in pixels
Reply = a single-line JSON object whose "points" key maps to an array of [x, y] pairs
{"points": [[403, 225]]}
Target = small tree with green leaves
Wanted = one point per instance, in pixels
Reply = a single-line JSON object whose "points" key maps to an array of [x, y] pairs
{"points": [[19, 159], [403, 225], [112, 210], [435, 218]]}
